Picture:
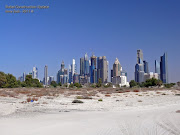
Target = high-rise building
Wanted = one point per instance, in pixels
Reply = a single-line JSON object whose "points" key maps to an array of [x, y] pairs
{"points": [[82, 66], [62, 75], [139, 56], [86, 65], [157, 67], [146, 68], [139, 67], [93, 69], [164, 68], [102, 69], [118, 75], [51, 78], [116, 68], [24, 77], [73, 68], [111, 74], [76, 78], [46, 75], [70, 75], [35, 73]]}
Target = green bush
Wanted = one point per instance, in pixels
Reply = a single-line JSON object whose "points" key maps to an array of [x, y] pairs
{"points": [[77, 101], [54, 84], [100, 100]]}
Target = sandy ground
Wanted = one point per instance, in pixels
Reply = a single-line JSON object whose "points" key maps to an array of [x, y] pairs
{"points": [[132, 113]]}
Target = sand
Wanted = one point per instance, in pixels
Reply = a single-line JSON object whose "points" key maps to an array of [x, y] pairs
{"points": [[141, 113]]}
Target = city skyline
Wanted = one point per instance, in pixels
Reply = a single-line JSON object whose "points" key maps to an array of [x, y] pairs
{"points": [[99, 68], [111, 29]]}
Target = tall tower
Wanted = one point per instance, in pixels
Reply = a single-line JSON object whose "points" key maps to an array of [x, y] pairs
{"points": [[35, 73], [24, 77], [46, 75], [93, 69], [157, 67], [86, 65], [139, 56], [102, 69], [116, 68], [164, 68], [82, 66], [146, 67], [139, 67]]}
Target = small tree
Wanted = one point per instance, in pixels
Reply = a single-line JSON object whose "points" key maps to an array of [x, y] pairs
{"points": [[132, 83], [3, 79], [11, 81], [28, 80], [178, 83], [78, 85], [54, 84], [99, 83], [59, 84]]}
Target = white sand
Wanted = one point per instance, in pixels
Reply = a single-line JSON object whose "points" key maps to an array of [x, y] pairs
{"points": [[116, 115]]}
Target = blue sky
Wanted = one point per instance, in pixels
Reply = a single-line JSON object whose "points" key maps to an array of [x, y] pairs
{"points": [[70, 28]]}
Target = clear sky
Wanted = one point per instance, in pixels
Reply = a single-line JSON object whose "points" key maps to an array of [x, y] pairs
{"points": [[70, 28]]}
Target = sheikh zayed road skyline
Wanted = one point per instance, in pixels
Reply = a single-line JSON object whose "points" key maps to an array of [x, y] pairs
{"points": [[92, 68]]}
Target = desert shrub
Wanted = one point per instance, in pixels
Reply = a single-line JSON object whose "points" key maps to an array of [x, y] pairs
{"points": [[107, 95], [135, 90], [28, 99], [133, 83], [107, 85], [169, 85], [100, 100], [99, 84], [35, 99], [78, 85], [139, 100], [164, 94], [77, 101], [54, 84], [178, 111]]}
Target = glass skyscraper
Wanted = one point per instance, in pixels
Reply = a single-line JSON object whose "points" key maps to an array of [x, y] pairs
{"points": [[139, 67], [164, 68]]}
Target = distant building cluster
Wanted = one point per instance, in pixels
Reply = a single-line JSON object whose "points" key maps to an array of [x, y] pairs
{"points": [[96, 68], [142, 70]]}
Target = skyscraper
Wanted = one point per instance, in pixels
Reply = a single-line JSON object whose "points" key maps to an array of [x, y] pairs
{"points": [[35, 73], [157, 67], [93, 69], [102, 69], [119, 76], [82, 66], [51, 78], [139, 56], [164, 68], [139, 67], [146, 67], [46, 75], [62, 74], [70, 75], [73, 67], [24, 77], [86, 64], [116, 68]]}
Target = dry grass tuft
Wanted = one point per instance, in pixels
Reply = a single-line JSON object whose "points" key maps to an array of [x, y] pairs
{"points": [[107, 95], [135, 90], [178, 111], [139, 100], [28, 99]]}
